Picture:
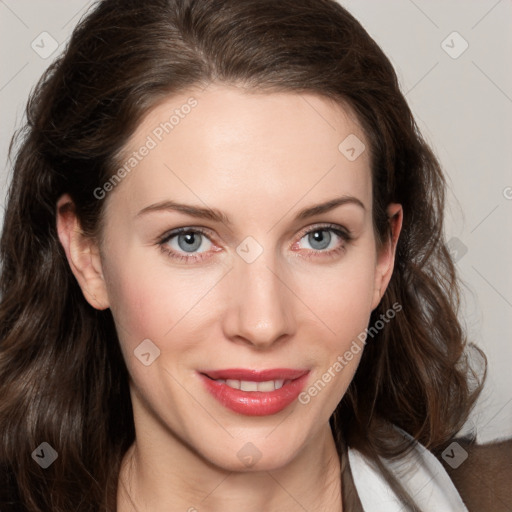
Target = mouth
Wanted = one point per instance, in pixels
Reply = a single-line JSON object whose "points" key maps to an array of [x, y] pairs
{"points": [[255, 392]]}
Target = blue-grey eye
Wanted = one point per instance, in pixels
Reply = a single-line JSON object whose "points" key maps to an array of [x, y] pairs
{"points": [[319, 239], [322, 238], [188, 241]]}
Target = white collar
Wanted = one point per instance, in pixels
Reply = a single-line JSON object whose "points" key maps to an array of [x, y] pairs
{"points": [[419, 472]]}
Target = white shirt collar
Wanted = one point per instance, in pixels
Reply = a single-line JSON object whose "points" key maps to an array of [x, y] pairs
{"points": [[419, 472]]}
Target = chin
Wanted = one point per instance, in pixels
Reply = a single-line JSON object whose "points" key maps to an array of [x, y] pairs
{"points": [[258, 454]]}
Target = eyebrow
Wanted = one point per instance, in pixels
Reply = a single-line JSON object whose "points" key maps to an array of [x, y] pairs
{"points": [[219, 216]]}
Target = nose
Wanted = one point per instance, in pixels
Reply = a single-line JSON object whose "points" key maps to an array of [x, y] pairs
{"points": [[259, 304]]}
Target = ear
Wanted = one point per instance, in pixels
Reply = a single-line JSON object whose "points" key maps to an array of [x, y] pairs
{"points": [[386, 256], [82, 254]]}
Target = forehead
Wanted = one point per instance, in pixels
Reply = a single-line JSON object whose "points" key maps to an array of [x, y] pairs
{"points": [[228, 144]]}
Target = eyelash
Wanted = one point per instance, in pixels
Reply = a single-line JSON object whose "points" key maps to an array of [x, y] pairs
{"points": [[334, 228]]}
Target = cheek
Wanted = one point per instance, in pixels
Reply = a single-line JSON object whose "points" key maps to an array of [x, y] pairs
{"points": [[140, 306], [341, 298], [151, 300], [341, 295]]}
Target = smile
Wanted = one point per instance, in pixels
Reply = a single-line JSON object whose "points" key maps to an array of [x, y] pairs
{"points": [[255, 392], [247, 385]]}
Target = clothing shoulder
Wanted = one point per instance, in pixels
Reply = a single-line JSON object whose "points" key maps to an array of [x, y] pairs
{"points": [[484, 478], [418, 472]]}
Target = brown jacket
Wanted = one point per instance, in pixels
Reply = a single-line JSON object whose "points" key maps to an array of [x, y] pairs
{"points": [[484, 479]]}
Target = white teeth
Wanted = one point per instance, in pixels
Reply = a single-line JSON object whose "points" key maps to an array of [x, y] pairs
{"points": [[235, 384], [247, 385], [266, 386]]}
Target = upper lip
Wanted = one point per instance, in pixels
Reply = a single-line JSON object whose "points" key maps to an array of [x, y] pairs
{"points": [[256, 375]]}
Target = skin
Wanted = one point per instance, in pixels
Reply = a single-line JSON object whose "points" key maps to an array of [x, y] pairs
{"points": [[260, 158]]}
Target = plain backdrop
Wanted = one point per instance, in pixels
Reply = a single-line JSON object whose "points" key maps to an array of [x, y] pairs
{"points": [[453, 62]]}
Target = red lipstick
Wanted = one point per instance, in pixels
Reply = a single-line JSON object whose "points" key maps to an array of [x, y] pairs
{"points": [[287, 385]]}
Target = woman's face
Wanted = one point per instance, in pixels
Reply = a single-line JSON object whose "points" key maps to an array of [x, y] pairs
{"points": [[259, 281]]}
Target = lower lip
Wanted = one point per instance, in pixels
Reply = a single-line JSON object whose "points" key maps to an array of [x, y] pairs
{"points": [[255, 403]]}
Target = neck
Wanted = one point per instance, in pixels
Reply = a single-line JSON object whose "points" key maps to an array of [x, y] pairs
{"points": [[151, 480]]}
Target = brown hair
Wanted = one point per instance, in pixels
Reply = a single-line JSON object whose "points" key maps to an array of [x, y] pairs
{"points": [[62, 375]]}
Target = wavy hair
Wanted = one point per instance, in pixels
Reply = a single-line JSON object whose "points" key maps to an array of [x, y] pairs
{"points": [[63, 379]]}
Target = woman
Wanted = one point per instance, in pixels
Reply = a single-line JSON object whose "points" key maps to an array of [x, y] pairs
{"points": [[224, 282]]}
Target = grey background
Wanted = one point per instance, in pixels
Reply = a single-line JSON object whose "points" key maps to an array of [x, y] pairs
{"points": [[463, 106]]}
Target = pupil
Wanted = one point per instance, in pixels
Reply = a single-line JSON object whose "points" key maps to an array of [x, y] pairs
{"points": [[321, 237], [189, 242]]}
